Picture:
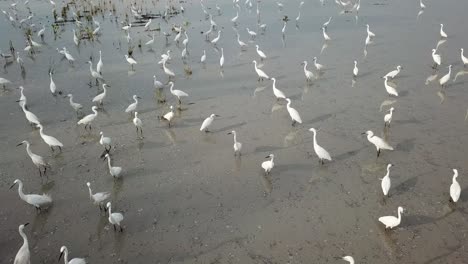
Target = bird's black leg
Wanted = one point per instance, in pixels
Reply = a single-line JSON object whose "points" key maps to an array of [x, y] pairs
{"points": [[60, 148], [114, 228], [121, 229], [378, 153]]}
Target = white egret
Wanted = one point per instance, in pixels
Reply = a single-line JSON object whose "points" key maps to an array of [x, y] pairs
{"points": [[378, 142], [212, 22], [260, 53], [349, 259], [234, 19], [325, 35], [87, 120], [355, 70], [215, 40], [115, 218], [455, 189], [319, 150], [22, 100], [325, 25], [52, 86], [241, 43], [98, 198], [128, 37], [221, 60], [130, 60], [113, 171], [252, 34], [269, 164], [76, 106], [138, 124], [147, 25], [99, 64], [157, 84], [169, 115], [261, 74], [203, 57], [20, 61], [150, 42], [308, 74], [100, 97], [168, 71], [317, 65], [96, 75], [393, 73], [388, 117], [442, 32], [32, 118], [4, 82], [127, 27], [64, 252], [49, 140], [436, 58], [293, 113], [369, 33], [283, 30], [75, 38], [24, 255], [390, 90], [36, 200], [421, 4], [105, 141], [392, 221], [207, 122], [277, 92], [37, 160], [68, 56], [237, 145], [41, 32], [133, 106], [208, 32], [446, 77], [177, 93], [386, 183], [463, 58]]}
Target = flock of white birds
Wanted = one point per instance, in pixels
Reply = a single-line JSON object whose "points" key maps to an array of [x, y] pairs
{"points": [[213, 35]]}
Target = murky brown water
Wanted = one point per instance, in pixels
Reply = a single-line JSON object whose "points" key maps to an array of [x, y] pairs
{"points": [[187, 199]]}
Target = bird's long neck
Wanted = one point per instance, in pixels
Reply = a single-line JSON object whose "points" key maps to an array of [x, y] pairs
{"points": [[399, 216], [109, 163], [274, 83], [388, 172], [272, 158], [172, 87], [110, 210], [71, 100], [136, 100], [91, 67], [41, 130], [450, 70], [315, 138], [20, 191], [305, 66], [235, 138], [25, 239], [65, 257], [28, 149], [90, 192]]}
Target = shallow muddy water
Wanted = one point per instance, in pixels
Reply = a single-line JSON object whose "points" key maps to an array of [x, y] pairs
{"points": [[185, 197]]}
